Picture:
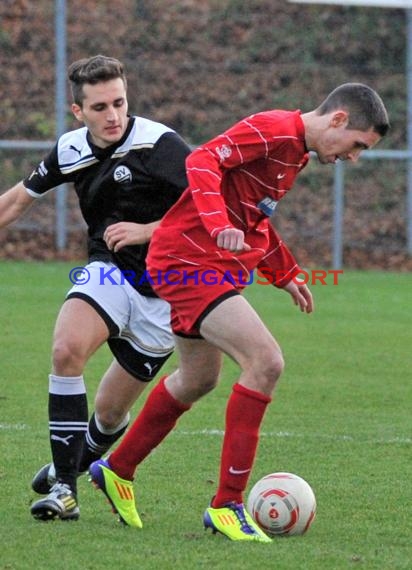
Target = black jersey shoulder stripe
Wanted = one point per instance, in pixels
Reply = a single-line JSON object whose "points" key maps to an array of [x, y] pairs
{"points": [[78, 165], [119, 154]]}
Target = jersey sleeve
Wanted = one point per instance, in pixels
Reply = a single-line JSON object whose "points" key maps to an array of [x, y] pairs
{"points": [[278, 265], [248, 140], [167, 162], [45, 176]]}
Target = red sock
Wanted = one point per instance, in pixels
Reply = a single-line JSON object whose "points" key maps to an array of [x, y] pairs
{"points": [[156, 419], [244, 414]]}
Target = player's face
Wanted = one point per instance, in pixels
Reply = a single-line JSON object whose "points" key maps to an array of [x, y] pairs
{"points": [[104, 111], [346, 145], [338, 142]]}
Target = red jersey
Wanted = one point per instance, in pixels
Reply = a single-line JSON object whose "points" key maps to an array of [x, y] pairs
{"points": [[235, 180]]}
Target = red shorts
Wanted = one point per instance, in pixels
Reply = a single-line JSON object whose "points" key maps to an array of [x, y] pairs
{"points": [[192, 293], [193, 275]]}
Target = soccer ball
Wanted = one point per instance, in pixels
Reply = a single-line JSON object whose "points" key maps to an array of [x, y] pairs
{"points": [[282, 504]]}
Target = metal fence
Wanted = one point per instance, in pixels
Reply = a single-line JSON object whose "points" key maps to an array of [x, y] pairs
{"points": [[339, 193]]}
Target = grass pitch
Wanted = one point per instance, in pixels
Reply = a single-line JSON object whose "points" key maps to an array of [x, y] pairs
{"points": [[340, 419]]}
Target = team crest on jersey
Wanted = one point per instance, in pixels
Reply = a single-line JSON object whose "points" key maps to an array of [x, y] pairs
{"points": [[223, 151], [122, 174], [267, 205]]}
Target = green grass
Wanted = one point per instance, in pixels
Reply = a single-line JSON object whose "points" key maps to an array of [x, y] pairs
{"points": [[340, 419]]}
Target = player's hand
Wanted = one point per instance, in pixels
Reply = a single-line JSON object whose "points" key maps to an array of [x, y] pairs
{"points": [[301, 295], [121, 234], [233, 240]]}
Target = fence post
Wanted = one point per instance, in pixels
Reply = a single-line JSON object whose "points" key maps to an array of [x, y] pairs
{"points": [[409, 131], [338, 187], [60, 109]]}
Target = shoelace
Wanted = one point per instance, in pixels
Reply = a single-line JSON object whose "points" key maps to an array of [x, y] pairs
{"points": [[60, 488], [239, 511]]}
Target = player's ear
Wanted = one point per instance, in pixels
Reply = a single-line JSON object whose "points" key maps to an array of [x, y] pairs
{"points": [[339, 118], [77, 112]]}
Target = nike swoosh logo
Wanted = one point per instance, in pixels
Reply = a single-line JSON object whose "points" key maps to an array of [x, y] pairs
{"points": [[234, 471], [280, 176]]}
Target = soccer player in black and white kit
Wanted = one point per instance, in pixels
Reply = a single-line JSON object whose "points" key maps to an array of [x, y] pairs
{"points": [[127, 172]]}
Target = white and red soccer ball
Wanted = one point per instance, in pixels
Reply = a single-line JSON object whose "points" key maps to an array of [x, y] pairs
{"points": [[282, 504]]}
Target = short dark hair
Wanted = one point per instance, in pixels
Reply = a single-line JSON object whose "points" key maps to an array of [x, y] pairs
{"points": [[365, 107], [92, 70]]}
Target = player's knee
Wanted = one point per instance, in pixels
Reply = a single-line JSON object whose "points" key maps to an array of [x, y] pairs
{"points": [[206, 384], [270, 366], [277, 365], [199, 388], [109, 419], [190, 387], [68, 358]]}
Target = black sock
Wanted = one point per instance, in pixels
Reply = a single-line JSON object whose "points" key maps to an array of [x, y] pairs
{"points": [[97, 441], [68, 415]]}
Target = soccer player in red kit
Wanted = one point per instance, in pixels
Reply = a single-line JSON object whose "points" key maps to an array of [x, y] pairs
{"points": [[220, 227]]}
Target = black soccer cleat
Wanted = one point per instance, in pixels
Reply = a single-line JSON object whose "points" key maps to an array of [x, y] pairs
{"points": [[44, 479]]}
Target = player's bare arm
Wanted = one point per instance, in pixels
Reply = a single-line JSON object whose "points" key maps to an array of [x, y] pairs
{"points": [[301, 295], [14, 203], [121, 234]]}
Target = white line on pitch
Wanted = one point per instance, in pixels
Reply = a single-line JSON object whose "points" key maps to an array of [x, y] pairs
{"points": [[15, 427], [288, 434], [279, 434]]}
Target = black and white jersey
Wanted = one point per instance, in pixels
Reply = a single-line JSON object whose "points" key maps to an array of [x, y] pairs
{"points": [[135, 180]]}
